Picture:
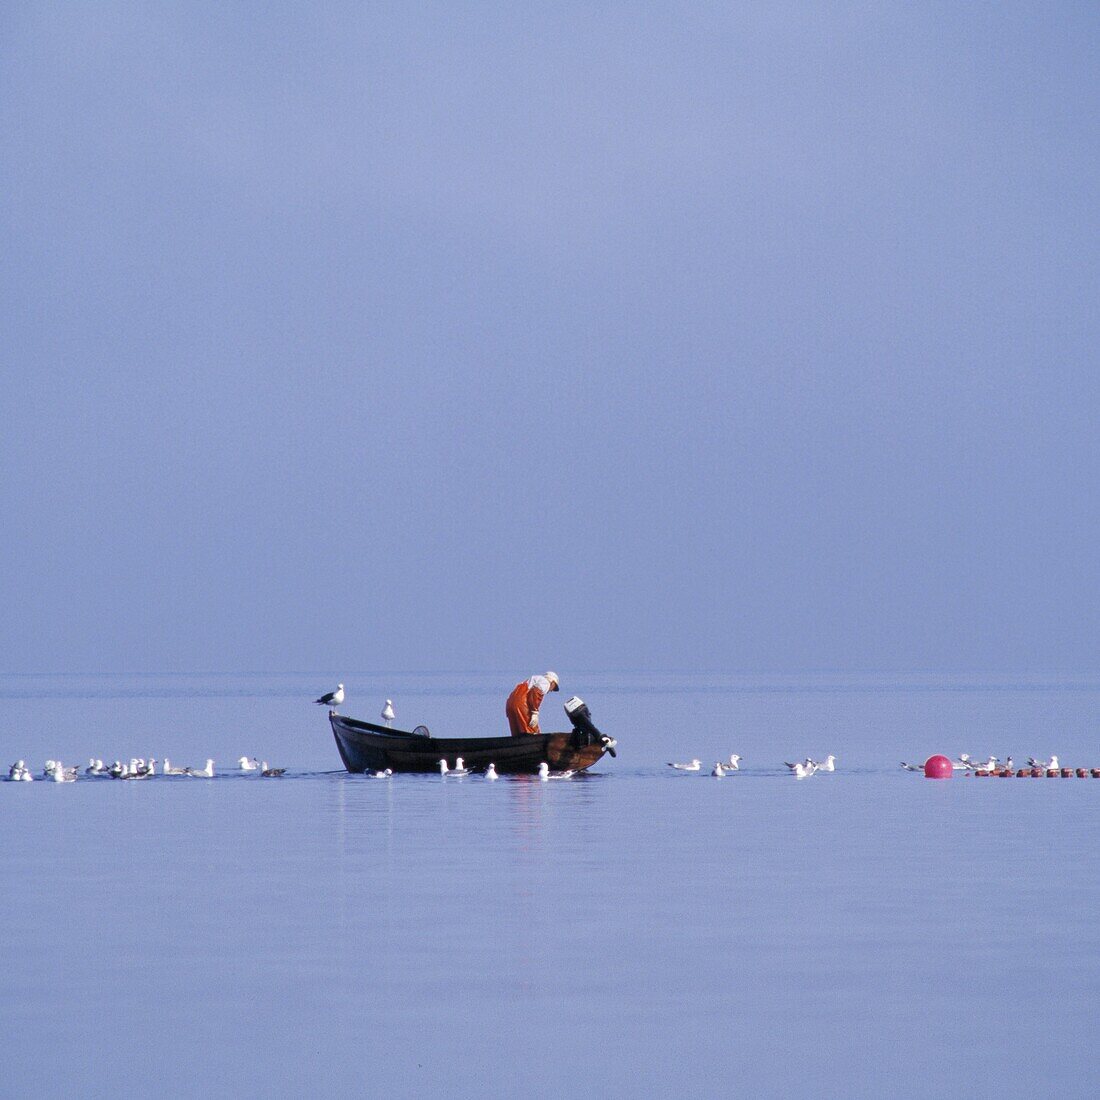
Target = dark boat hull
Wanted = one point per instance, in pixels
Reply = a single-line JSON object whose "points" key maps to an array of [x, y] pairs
{"points": [[366, 747]]}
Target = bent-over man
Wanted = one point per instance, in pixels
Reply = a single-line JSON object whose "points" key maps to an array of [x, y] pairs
{"points": [[522, 707]]}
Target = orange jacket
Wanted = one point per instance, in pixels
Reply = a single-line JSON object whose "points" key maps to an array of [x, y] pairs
{"points": [[522, 707]]}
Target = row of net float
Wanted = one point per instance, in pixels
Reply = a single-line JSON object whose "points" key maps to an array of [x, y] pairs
{"points": [[1041, 773]]}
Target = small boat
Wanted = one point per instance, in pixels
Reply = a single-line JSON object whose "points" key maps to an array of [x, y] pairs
{"points": [[365, 746]]}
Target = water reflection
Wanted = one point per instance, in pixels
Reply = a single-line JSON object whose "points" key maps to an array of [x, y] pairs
{"points": [[526, 809]]}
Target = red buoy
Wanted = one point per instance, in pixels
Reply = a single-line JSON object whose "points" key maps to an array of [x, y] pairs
{"points": [[938, 767], [1036, 773], [1053, 773], [1022, 772], [1082, 773], [1096, 773]]}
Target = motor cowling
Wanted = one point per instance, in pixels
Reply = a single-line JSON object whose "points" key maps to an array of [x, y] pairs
{"points": [[584, 729]]}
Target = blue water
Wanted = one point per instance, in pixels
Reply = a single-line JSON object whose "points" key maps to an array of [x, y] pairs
{"points": [[635, 932]]}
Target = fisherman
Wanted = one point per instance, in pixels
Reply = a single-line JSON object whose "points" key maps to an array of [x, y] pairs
{"points": [[523, 704]]}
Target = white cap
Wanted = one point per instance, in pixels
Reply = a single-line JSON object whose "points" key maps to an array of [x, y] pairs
{"points": [[553, 678]]}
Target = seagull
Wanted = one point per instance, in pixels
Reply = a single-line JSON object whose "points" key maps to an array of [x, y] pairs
{"points": [[692, 767], [333, 699], [1008, 764], [460, 770], [912, 767], [246, 764], [991, 765], [59, 774], [385, 774], [95, 767], [720, 769], [19, 772], [443, 769], [826, 765], [387, 712], [16, 768], [801, 770], [734, 764], [1051, 764], [201, 773], [266, 772], [169, 770], [545, 773], [491, 771]]}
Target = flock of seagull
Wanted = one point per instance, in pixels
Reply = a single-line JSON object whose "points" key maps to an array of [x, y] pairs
{"points": [[802, 769], [140, 768], [963, 763], [136, 768]]}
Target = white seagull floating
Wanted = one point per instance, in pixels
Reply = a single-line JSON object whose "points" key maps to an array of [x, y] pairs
{"points": [[1050, 764], [912, 767], [734, 764], [719, 769], [245, 764], [20, 773], [694, 766], [491, 771], [802, 770], [201, 773], [387, 712], [333, 699], [382, 774], [826, 765], [169, 770], [963, 763], [545, 773]]}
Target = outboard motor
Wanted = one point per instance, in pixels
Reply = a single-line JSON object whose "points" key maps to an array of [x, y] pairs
{"points": [[584, 731]]}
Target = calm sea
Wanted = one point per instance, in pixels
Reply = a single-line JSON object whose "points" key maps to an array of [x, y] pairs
{"points": [[631, 933]]}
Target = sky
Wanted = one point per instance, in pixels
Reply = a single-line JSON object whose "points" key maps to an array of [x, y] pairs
{"points": [[584, 336]]}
